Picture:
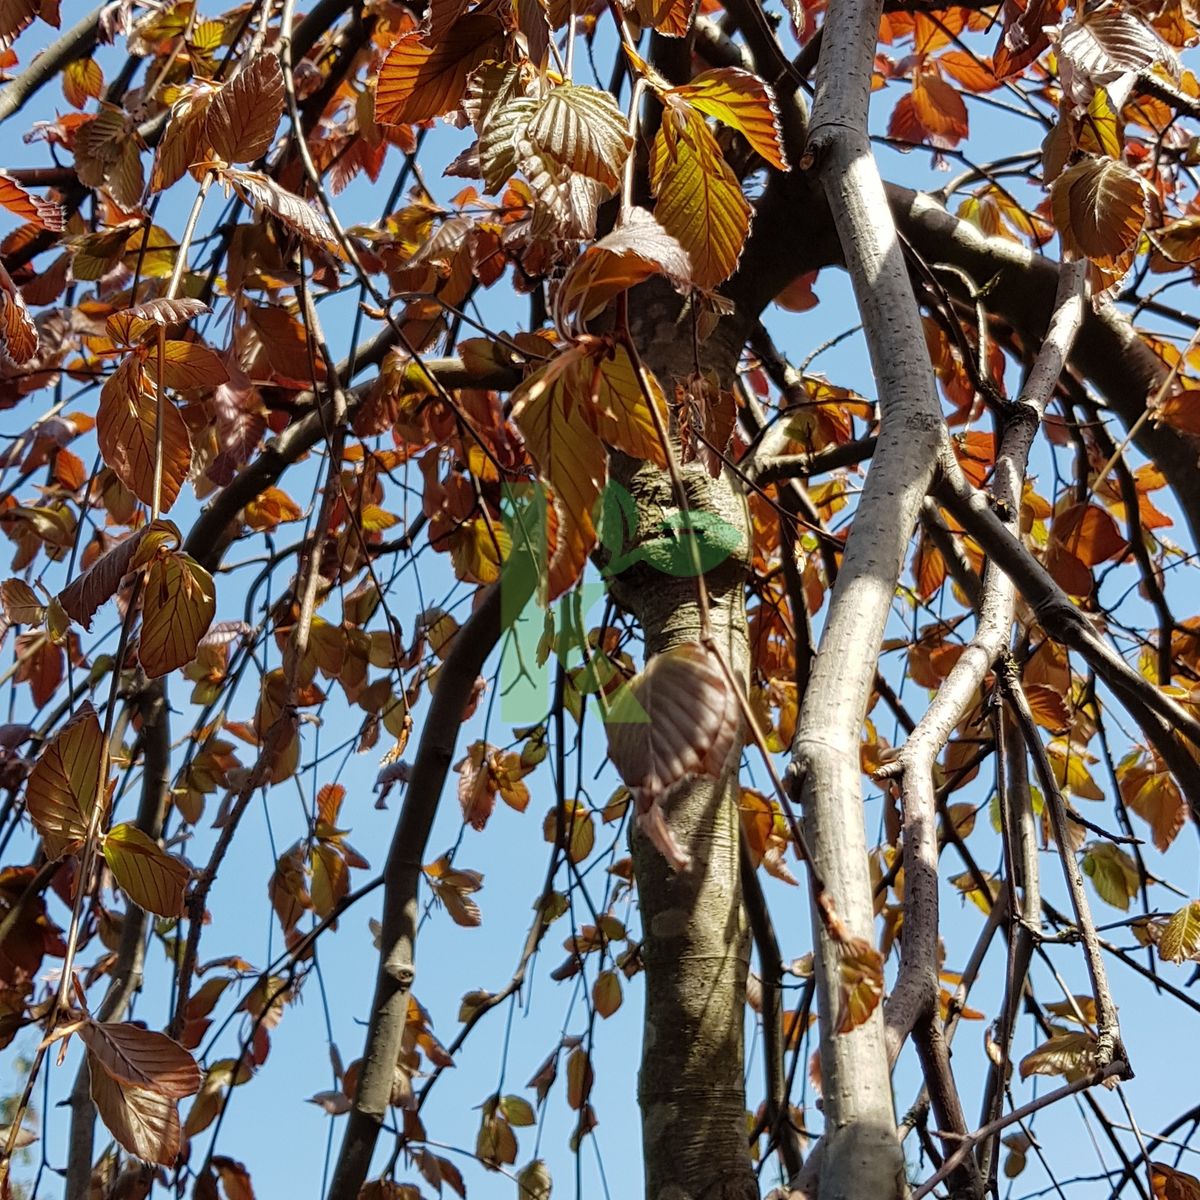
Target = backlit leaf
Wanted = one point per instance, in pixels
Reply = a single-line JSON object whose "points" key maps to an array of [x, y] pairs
{"points": [[418, 81], [144, 1122], [64, 785], [46, 213], [1112, 872], [636, 250], [700, 201], [98, 584], [940, 109], [678, 717], [244, 114], [147, 874], [261, 191], [1071, 1053], [1089, 533], [860, 983], [1099, 208], [584, 130], [742, 101], [1180, 937], [1169, 1183], [178, 605], [22, 605], [125, 426]]}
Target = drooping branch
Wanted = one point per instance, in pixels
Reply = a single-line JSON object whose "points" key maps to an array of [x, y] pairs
{"points": [[915, 993], [861, 1153], [125, 975], [472, 645]]}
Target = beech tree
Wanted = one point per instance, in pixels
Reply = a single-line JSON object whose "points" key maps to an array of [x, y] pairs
{"points": [[288, 486]]}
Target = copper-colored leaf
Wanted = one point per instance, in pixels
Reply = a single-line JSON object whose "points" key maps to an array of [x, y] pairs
{"points": [[64, 786], [144, 1122], [1099, 208], [1089, 533], [125, 425], [136, 324], [46, 213], [700, 201], [178, 606], [1169, 1183], [636, 250], [940, 109], [147, 874], [742, 101], [419, 81], [141, 1058], [860, 983], [22, 605], [189, 365], [261, 191], [18, 333], [244, 113], [98, 584], [678, 717]]}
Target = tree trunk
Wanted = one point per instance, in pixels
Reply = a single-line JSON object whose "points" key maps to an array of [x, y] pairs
{"points": [[695, 938]]}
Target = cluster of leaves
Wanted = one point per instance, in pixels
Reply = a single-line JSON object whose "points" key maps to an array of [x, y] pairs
{"points": [[575, 201]]}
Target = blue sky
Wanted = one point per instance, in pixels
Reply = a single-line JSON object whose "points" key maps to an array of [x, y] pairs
{"points": [[285, 1141]]}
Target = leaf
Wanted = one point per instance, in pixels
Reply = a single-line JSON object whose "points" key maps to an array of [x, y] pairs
{"points": [[636, 250], [189, 365], [940, 109], [1105, 43], [677, 718], [125, 426], [569, 455], [243, 115], [579, 1077], [1099, 208], [140, 1058], [610, 381], [22, 605], [1148, 789], [418, 82], [259, 190], [860, 983], [143, 321], [147, 874], [1112, 872], [1180, 937], [144, 1122], [98, 584], [584, 130], [64, 785], [46, 213], [1071, 1053], [606, 993], [533, 1181], [700, 201], [18, 333], [178, 605], [1169, 1183], [743, 102], [518, 1111], [1089, 533]]}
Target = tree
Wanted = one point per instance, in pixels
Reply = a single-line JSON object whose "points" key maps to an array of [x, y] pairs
{"points": [[991, 543]]}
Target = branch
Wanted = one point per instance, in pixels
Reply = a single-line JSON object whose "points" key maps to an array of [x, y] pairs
{"points": [[916, 990], [861, 1154], [1090, 1080], [77, 42], [125, 975], [469, 651], [1108, 1034]]}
